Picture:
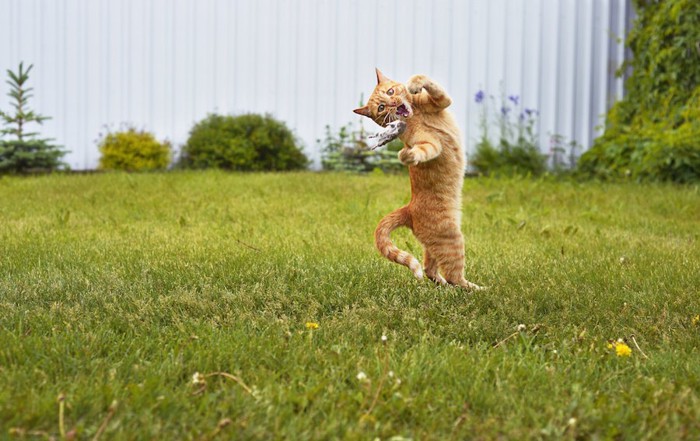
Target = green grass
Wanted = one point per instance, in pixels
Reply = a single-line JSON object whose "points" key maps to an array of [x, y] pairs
{"points": [[122, 286]]}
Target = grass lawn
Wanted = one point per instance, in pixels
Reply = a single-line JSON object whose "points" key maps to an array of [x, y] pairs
{"points": [[120, 287]]}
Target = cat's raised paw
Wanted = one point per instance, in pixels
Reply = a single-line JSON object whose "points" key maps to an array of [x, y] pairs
{"points": [[416, 83], [408, 157]]}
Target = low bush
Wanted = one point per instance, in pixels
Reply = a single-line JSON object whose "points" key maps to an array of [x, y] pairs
{"points": [[133, 150], [653, 134], [347, 150], [508, 159], [659, 150], [516, 151], [249, 142]]}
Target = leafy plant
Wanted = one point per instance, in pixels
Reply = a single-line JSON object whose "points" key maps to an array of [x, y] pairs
{"points": [[249, 142], [516, 152], [347, 150], [133, 150], [654, 132], [24, 151], [562, 154]]}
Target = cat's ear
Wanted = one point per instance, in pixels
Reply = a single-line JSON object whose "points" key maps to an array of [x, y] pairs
{"points": [[380, 76], [364, 111]]}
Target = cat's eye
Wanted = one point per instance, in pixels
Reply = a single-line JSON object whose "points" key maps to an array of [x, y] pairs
{"points": [[390, 92], [381, 107]]}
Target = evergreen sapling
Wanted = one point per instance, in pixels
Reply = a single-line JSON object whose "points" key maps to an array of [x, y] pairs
{"points": [[24, 152]]}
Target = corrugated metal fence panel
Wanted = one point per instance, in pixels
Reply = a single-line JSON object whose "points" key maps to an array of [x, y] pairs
{"points": [[164, 64]]}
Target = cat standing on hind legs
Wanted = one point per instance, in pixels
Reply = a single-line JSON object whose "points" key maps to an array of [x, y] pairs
{"points": [[435, 159]]}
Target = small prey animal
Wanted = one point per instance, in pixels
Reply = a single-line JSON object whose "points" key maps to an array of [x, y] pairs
{"points": [[392, 131]]}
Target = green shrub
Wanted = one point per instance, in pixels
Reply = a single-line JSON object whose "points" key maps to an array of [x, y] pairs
{"points": [[654, 132], [517, 151], [133, 150], [24, 152], [248, 142], [509, 160], [347, 151]]}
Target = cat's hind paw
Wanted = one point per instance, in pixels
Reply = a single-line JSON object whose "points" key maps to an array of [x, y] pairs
{"points": [[437, 278]]}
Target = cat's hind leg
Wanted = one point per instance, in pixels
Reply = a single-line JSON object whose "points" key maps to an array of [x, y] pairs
{"points": [[454, 275], [450, 257], [430, 265]]}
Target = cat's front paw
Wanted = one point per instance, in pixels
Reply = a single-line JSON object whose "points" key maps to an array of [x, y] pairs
{"points": [[416, 83], [408, 156]]}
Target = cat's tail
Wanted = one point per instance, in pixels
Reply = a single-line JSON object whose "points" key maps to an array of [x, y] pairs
{"points": [[390, 222]]}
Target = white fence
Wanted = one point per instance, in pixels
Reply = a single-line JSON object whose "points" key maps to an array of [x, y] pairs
{"points": [[164, 64]]}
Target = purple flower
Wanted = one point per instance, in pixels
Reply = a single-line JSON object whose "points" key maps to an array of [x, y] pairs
{"points": [[479, 97], [505, 110], [514, 99], [530, 112]]}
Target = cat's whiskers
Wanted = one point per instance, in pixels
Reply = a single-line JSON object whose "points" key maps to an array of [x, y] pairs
{"points": [[391, 117], [385, 117]]}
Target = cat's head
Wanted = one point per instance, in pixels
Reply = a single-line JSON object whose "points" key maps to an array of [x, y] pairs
{"points": [[389, 102]]}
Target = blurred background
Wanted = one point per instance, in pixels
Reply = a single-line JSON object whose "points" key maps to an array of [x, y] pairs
{"points": [[162, 65]]}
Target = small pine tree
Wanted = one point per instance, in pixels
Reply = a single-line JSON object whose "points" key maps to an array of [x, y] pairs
{"points": [[24, 152]]}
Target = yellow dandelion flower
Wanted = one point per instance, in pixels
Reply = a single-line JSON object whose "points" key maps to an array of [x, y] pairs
{"points": [[311, 325], [696, 320], [622, 350]]}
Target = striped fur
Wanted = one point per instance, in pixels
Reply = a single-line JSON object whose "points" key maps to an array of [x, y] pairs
{"points": [[395, 219], [435, 159]]}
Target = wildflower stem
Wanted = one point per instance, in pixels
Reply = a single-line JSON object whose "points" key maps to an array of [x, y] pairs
{"points": [[219, 427], [110, 413], [231, 377], [465, 414], [506, 339], [385, 372], [250, 247], [533, 330], [638, 348], [61, 424]]}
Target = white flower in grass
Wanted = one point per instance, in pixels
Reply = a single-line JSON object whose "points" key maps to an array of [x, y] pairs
{"points": [[361, 376], [384, 338], [198, 379], [521, 327]]}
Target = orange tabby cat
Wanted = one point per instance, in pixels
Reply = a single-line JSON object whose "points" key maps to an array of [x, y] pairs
{"points": [[435, 159]]}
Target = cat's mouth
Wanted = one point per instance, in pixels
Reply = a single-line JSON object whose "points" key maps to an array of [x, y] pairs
{"points": [[403, 111]]}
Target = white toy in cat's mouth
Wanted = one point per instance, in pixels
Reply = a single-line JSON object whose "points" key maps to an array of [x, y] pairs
{"points": [[403, 111], [388, 134]]}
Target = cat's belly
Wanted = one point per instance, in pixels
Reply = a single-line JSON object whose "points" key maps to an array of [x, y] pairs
{"points": [[436, 200]]}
